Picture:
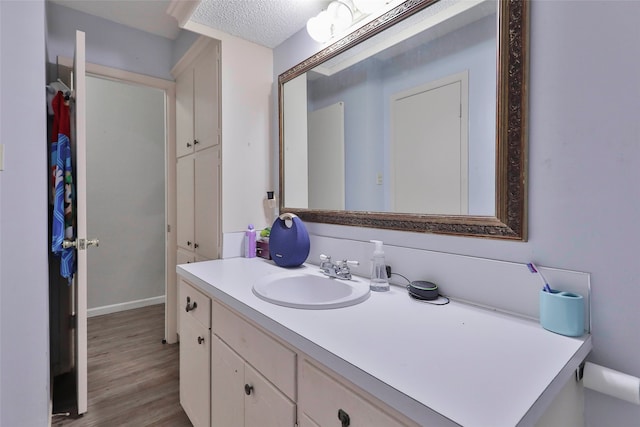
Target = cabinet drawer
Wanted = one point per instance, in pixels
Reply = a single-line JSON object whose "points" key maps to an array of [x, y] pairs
{"points": [[322, 397], [273, 360], [194, 303]]}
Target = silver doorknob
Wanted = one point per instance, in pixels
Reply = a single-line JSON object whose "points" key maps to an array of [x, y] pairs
{"points": [[66, 244]]}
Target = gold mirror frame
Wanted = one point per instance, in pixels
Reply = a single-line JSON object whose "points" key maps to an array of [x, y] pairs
{"points": [[510, 221]]}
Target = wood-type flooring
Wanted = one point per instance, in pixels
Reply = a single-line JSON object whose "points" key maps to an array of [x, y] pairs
{"points": [[132, 377]]}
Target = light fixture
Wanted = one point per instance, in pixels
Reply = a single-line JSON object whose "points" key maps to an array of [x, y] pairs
{"points": [[341, 15], [338, 17], [319, 27]]}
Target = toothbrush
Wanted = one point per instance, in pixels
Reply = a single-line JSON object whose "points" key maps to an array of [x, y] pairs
{"points": [[534, 270]]}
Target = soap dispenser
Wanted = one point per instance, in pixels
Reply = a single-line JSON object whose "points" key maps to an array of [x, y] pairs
{"points": [[379, 281]]}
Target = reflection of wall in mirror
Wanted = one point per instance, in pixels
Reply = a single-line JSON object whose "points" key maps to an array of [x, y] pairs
{"points": [[368, 88], [326, 158]]}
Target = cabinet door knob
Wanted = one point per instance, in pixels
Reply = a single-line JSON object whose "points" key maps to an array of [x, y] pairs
{"points": [[248, 389], [188, 243], [200, 340], [188, 144], [195, 245], [344, 418], [190, 306], [195, 141]]}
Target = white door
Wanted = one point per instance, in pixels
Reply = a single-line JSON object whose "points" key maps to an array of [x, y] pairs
{"points": [[80, 283], [428, 135]]}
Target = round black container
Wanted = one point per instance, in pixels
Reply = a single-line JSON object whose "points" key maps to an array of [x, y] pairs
{"points": [[421, 289]]}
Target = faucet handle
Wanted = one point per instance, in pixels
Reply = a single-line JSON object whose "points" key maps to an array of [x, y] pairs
{"points": [[325, 262], [345, 262]]}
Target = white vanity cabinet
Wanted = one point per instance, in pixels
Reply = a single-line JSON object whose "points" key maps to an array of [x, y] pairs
{"points": [[194, 312], [309, 366], [252, 375], [325, 400]]}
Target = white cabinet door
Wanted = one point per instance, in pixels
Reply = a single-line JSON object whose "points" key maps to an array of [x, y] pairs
{"points": [[184, 113], [185, 199], [265, 405], [207, 201], [205, 96], [227, 382], [323, 399], [184, 257], [195, 370], [241, 396]]}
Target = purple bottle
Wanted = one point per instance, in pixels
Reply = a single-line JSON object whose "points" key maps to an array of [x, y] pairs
{"points": [[250, 242]]}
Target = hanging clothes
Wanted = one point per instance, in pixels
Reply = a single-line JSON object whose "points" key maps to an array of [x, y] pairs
{"points": [[63, 190]]}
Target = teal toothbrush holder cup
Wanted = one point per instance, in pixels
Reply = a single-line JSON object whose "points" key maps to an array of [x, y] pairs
{"points": [[562, 312]]}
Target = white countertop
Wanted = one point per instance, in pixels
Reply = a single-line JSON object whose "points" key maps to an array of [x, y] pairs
{"points": [[442, 365]]}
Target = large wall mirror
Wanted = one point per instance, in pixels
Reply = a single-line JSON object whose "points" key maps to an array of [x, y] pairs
{"points": [[416, 121]]}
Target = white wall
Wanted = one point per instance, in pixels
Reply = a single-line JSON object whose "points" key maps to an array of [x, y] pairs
{"points": [[24, 319], [125, 192], [247, 150], [584, 171]]}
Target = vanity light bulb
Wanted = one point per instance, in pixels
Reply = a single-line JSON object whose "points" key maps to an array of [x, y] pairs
{"points": [[340, 14], [319, 27]]}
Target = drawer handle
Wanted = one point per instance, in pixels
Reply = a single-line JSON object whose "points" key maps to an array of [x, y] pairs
{"points": [[248, 389], [190, 306], [344, 418], [200, 340]]}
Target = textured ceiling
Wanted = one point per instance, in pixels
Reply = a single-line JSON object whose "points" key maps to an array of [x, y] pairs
{"points": [[265, 22]]}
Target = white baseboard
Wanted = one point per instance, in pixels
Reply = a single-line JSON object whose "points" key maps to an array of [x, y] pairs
{"points": [[129, 305]]}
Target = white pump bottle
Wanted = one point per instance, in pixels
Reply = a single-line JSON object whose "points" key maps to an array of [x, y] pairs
{"points": [[379, 281]]}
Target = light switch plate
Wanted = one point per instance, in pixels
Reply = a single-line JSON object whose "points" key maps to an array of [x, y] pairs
{"points": [[1, 157]]}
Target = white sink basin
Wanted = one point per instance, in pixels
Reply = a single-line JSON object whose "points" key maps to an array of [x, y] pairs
{"points": [[310, 291]]}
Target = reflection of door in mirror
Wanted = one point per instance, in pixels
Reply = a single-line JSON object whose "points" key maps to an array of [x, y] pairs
{"points": [[429, 148], [326, 157], [295, 150]]}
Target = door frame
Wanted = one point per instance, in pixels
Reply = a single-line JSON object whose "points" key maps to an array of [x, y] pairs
{"points": [[169, 88]]}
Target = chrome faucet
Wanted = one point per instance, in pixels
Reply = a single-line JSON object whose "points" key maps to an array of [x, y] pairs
{"points": [[338, 270]]}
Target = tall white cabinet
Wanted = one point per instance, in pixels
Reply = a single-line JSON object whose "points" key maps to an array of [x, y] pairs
{"points": [[198, 214], [198, 155]]}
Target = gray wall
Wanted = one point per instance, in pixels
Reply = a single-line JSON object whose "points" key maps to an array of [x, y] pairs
{"points": [[108, 43], [24, 288], [584, 171], [125, 192]]}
